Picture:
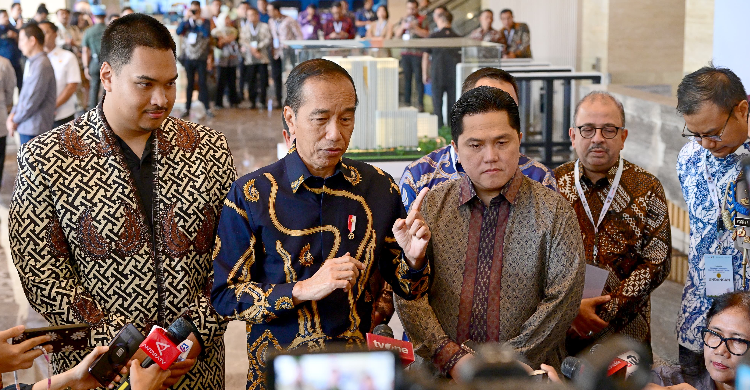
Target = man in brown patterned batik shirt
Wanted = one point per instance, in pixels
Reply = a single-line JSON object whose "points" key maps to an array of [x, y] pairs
{"points": [[114, 214], [506, 251], [628, 236]]}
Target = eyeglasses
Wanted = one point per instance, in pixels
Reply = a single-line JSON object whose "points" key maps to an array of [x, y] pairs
{"points": [[608, 132], [735, 346], [699, 138]]}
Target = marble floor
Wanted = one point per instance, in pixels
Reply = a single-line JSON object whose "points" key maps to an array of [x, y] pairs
{"points": [[252, 136]]}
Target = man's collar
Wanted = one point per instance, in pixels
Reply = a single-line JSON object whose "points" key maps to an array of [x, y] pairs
{"points": [[509, 191], [298, 173]]}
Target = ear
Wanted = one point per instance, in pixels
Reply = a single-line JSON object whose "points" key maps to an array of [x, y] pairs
{"points": [[106, 73], [742, 110], [624, 135], [572, 135], [290, 118], [520, 136], [455, 149]]}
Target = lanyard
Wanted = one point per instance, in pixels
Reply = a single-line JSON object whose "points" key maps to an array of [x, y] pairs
{"points": [[337, 26], [509, 35], [253, 30], [607, 202]]}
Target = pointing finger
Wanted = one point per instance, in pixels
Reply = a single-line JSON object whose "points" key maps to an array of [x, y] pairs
{"points": [[416, 207]]}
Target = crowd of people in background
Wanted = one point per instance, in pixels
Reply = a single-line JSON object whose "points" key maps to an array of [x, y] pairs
{"points": [[237, 52]]}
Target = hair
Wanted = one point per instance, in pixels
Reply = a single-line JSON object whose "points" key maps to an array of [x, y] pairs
{"points": [[251, 8], [446, 16], [213, 1], [67, 10], [195, 2], [506, 10], [42, 9], [387, 14], [50, 24], [123, 35], [491, 73], [313, 6], [14, 5], [600, 95], [275, 4], [486, 10], [412, 1], [441, 7], [126, 9], [716, 85], [32, 30], [481, 100], [74, 16], [316, 68], [3, 11], [336, 4], [738, 299]]}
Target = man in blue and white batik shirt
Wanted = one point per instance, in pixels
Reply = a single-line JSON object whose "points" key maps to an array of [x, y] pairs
{"points": [[714, 105]]}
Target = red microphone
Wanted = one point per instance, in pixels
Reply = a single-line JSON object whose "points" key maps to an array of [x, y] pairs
{"points": [[382, 339], [160, 348]]}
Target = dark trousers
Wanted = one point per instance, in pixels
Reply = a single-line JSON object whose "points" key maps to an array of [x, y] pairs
{"points": [[19, 75], [227, 80], [191, 67], [242, 82], [277, 67], [440, 85], [62, 121], [412, 67], [94, 84], [257, 76]]}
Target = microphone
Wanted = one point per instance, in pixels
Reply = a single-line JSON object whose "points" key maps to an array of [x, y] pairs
{"points": [[619, 363], [572, 367], [382, 339], [162, 347]]}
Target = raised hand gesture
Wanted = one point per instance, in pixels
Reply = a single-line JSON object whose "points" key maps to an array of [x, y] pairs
{"points": [[413, 234]]}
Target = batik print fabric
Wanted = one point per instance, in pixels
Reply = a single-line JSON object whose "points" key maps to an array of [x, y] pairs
{"points": [[82, 246], [634, 244], [528, 298], [706, 235], [278, 226], [440, 165]]}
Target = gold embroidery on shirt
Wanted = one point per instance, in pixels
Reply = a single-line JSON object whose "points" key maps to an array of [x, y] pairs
{"points": [[299, 233], [296, 183], [243, 263], [305, 258], [236, 208], [251, 193], [291, 276], [284, 303], [217, 248], [355, 177], [256, 353]]}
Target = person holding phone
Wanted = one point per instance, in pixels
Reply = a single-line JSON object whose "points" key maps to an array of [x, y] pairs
{"points": [[21, 356]]}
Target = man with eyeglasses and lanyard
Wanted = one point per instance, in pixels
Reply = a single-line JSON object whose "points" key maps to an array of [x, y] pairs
{"points": [[622, 213], [714, 105]]}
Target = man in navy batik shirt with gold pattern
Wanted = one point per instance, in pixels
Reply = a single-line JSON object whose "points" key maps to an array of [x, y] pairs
{"points": [[305, 244]]}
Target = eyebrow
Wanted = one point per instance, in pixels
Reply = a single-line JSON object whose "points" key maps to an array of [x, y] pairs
{"points": [[146, 78], [594, 124], [498, 138], [322, 111]]}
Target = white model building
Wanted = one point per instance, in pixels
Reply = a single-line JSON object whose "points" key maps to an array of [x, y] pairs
{"points": [[379, 122]]}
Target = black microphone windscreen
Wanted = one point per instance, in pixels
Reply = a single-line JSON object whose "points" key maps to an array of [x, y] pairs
{"points": [[383, 330], [180, 329], [570, 367]]}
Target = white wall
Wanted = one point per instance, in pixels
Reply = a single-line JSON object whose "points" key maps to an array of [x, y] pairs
{"points": [[731, 46], [553, 25]]}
